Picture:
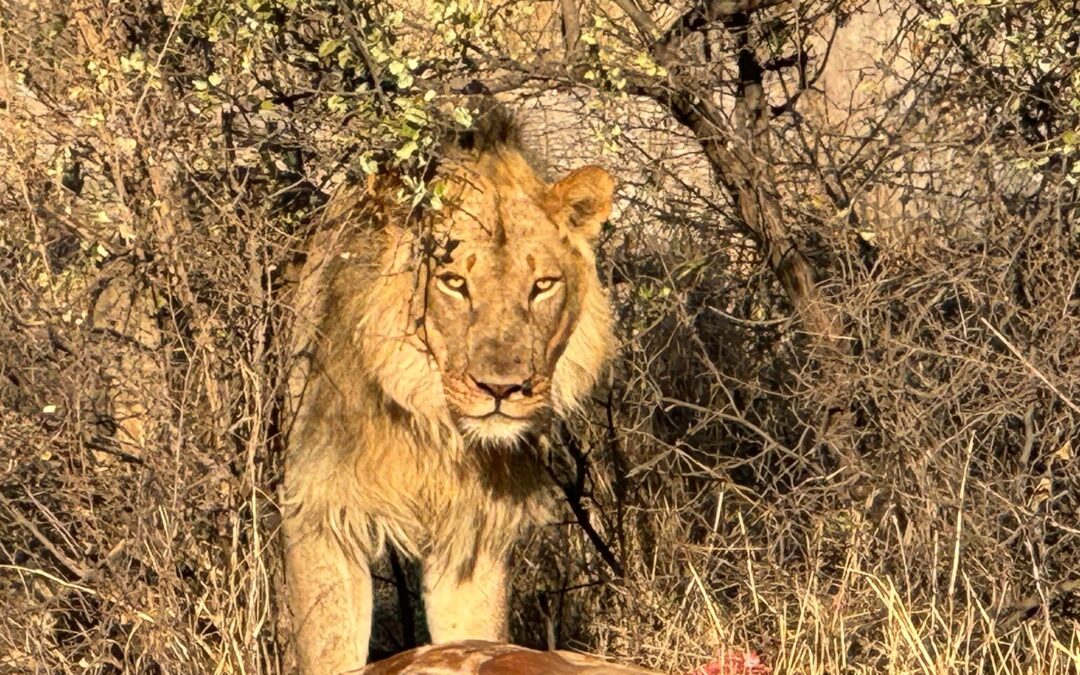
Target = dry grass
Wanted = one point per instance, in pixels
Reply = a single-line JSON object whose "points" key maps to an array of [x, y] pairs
{"points": [[904, 501]]}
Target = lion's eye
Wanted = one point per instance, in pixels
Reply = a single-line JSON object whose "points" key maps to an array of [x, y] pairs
{"points": [[452, 284], [544, 286]]}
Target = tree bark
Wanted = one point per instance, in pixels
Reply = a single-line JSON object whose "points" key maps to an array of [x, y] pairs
{"points": [[571, 21], [741, 156]]}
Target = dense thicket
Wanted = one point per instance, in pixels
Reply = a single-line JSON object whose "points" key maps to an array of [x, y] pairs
{"points": [[843, 425]]}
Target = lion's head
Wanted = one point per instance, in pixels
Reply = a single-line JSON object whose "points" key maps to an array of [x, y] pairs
{"points": [[507, 290], [492, 316]]}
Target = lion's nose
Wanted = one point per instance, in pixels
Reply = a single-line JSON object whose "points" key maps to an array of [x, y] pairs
{"points": [[501, 390]]}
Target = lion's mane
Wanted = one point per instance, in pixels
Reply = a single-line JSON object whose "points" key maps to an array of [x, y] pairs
{"points": [[374, 454]]}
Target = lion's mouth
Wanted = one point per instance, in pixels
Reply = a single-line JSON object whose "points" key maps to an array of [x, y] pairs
{"points": [[499, 414], [500, 411]]}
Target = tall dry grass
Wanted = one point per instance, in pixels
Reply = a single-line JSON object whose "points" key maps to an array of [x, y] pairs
{"points": [[904, 504]]}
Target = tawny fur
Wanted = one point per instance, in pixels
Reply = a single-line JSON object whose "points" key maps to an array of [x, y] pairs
{"points": [[382, 450]]}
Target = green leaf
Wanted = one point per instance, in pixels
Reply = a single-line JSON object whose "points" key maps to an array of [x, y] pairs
{"points": [[336, 103], [417, 117], [463, 117], [328, 47], [344, 57], [368, 165], [406, 151]]}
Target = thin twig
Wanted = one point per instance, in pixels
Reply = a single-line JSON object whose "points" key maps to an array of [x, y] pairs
{"points": [[754, 323], [75, 568], [701, 16], [574, 491], [1030, 366], [51, 577], [374, 72]]}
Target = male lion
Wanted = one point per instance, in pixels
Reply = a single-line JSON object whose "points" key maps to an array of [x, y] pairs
{"points": [[444, 346]]}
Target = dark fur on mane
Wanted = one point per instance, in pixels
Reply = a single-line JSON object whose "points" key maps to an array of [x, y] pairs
{"points": [[494, 127]]}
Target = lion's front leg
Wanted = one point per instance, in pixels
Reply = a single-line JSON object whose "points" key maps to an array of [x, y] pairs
{"points": [[330, 599], [466, 604]]}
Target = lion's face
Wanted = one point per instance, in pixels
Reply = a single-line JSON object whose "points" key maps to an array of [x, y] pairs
{"points": [[506, 286]]}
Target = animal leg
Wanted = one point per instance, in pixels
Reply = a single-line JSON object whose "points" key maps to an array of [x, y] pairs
{"points": [[466, 604], [330, 598]]}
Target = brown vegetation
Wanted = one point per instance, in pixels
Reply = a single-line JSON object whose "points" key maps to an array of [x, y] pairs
{"points": [[842, 427]]}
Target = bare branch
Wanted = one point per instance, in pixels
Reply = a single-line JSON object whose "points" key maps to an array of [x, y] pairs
{"points": [[71, 565], [642, 21], [718, 9], [745, 177], [574, 491], [742, 166], [571, 27], [700, 17], [373, 69], [1030, 366]]}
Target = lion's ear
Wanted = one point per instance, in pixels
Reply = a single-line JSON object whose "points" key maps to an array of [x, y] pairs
{"points": [[586, 193]]}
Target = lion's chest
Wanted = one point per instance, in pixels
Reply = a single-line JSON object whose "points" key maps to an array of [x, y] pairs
{"points": [[425, 503]]}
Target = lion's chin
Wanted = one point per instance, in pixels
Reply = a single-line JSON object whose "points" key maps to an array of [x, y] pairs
{"points": [[494, 430]]}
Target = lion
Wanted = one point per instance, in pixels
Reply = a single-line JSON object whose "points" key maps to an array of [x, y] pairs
{"points": [[447, 342]]}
